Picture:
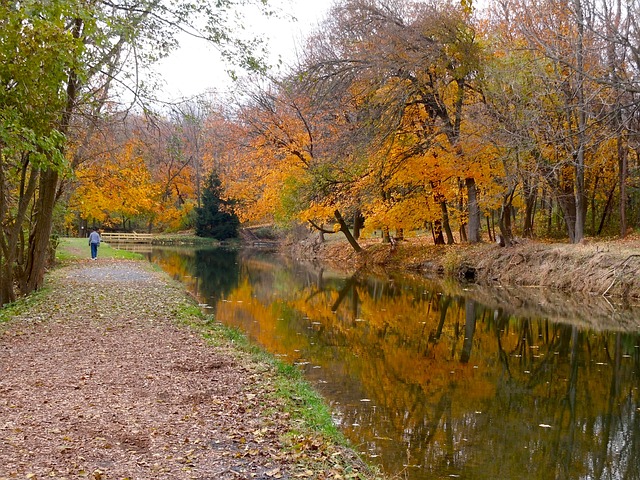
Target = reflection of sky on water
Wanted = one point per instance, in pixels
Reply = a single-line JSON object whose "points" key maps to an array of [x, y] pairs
{"points": [[433, 383]]}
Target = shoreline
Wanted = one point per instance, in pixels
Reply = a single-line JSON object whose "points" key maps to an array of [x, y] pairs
{"points": [[609, 269]]}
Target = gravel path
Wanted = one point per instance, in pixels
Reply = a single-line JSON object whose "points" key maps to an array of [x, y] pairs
{"points": [[100, 381]]}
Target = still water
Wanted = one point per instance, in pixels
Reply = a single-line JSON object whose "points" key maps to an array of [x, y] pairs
{"points": [[432, 380]]}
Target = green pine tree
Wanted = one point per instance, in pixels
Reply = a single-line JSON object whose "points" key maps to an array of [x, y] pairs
{"points": [[216, 218]]}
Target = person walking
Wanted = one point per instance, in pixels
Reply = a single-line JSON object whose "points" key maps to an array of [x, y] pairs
{"points": [[94, 243]]}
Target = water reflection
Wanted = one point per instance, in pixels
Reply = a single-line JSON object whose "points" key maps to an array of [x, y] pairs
{"points": [[436, 382]]}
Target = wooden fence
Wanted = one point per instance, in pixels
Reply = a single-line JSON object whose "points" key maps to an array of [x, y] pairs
{"points": [[127, 237]]}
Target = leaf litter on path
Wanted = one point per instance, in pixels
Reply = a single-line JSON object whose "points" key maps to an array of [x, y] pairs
{"points": [[98, 380]]}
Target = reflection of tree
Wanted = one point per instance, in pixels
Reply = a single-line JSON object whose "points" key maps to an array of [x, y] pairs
{"points": [[218, 272], [632, 446], [545, 384], [344, 291], [317, 284], [609, 415], [469, 329], [501, 319], [525, 341], [444, 302], [566, 439]]}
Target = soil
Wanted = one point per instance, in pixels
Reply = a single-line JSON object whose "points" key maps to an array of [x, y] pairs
{"points": [[102, 379]]}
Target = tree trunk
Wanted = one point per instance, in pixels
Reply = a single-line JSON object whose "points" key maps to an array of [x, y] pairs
{"points": [[386, 238], [493, 223], [445, 223], [607, 208], [463, 232], [531, 195], [593, 203], [504, 220], [11, 236], [623, 172], [569, 211], [474, 211], [491, 238], [41, 232], [581, 193], [436, 230], [547, 205], [504, 225], [581, 198], [463, 225], [345, 229], [358, 223]]}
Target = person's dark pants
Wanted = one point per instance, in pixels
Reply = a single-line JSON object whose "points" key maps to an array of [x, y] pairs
{"points": [[94, 250]]}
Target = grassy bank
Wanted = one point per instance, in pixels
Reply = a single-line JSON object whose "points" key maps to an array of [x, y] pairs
{"points": [[593, 267], [70, 249], [177, 239]]}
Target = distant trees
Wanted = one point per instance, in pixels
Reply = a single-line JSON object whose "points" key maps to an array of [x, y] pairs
{"points": [[426, 115], [116, 190]]}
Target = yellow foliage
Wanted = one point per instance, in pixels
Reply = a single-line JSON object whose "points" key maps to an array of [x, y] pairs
{"points": [[317, 213], [114, 187]]}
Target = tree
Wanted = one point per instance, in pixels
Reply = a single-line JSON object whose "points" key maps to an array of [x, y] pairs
{"points": [[410, 70], [216, 217], [571, 105], [37, 51]]}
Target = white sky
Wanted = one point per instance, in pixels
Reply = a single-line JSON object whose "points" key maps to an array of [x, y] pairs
{"points": [[196, 67]]}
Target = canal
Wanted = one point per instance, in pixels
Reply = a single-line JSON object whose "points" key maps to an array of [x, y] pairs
{"points": [[432, 380]]}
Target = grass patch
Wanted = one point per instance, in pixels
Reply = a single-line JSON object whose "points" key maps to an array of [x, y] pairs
{"points": [[78, 248], [181, 239], [21, 305], [305, 403]]}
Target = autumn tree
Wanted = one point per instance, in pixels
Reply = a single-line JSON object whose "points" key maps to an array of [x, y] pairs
{"points": [[273, 145], [171, 148], [409, 68], [116, 189], [570, 126]]}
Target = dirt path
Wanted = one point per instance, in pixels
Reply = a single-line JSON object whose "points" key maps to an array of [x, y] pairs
{"points": [[98, 380]]}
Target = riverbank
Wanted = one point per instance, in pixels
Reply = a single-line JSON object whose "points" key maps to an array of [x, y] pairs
{"points": [[604, 268], [111, 372]]}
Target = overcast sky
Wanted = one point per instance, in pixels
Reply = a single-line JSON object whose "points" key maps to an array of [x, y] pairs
{"points": [[195, 67]]}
